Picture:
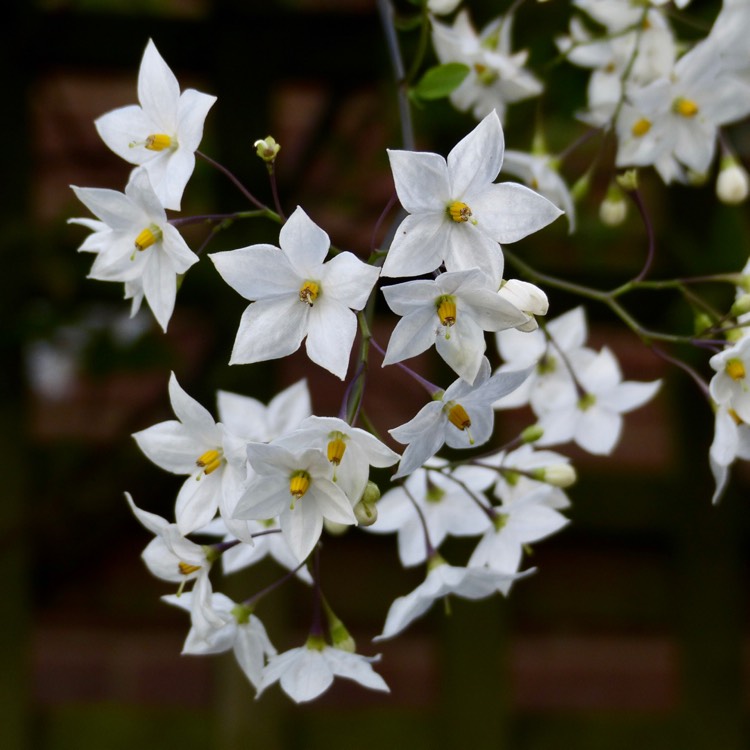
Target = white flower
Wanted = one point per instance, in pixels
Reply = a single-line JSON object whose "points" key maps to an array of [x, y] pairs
{"points": [[296, 486], [457, 214], [306, 672], [170, 556], [135, 243], [350, 451], [594, 419], [296, 295], [526, 519], [443, 580], [548, 354], [497, 76], [528, 298], [443, 507], [219, 624], [731, 441], [460, 416], [729, 386], [452, 311], [194, 444], [163, 133], [674, 120]]}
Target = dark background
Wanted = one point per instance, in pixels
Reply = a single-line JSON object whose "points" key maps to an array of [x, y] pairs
{"points": [[632, 633]]}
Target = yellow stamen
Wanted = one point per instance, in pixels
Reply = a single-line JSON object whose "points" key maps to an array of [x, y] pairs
{"points": [[446, 310], [186, 568], [486, 76], [336, 448], [299, 483], [147, 237], [459, 211], [458, 417], [685, 107], [209, 461], [158, 142], [735, 369], [309, 292], [641, 127], [736, 417]]}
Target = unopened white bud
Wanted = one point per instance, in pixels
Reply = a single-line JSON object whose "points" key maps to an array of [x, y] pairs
{"points": [[613, 209], [732, 184], [334, 528], [558, 475]]}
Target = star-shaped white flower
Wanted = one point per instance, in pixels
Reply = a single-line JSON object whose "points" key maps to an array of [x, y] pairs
{"points": [[296, 295], [461, 416], [194, 444], [443, 507], [443, 580], [136, 244], [497, 76], [458, 215], [592, 416], [452, 311], [297, 486], [169, 555], [219, 625], [729, 386], [306, 672], [163, 133], [350, 451], [524, 520]]}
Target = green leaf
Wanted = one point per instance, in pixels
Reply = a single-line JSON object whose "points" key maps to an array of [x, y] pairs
{"points": [[440, 81]]}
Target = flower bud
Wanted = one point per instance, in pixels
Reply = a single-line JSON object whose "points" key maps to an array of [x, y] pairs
{"points": [[333, 528], [267, 148], [702, 323], [741, 305], [613, 208], [532, 433], [558, 475], [733, 183], [365, 510], [628, 180]]}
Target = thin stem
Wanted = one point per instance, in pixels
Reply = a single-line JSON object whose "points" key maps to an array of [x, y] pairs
{"points": [[431, 388], [234, 181], [275, 191], [255, 598], [429, 549], [638, 200], [407, 129]]}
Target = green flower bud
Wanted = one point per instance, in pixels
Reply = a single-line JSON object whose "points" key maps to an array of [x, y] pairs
{"points": [[267, 148]]}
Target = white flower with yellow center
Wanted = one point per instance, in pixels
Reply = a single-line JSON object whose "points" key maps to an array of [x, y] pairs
{"points": [[497, 76], [350, 451], [730, 386], [460, 416], [136, 244], [458, 215], [295, 295], [170, 555], [673, 122], [452, 311], [194, 444], [163, 132], [297, 487]]}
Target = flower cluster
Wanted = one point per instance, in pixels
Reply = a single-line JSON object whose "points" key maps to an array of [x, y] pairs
{"points": [[270, 481]]}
